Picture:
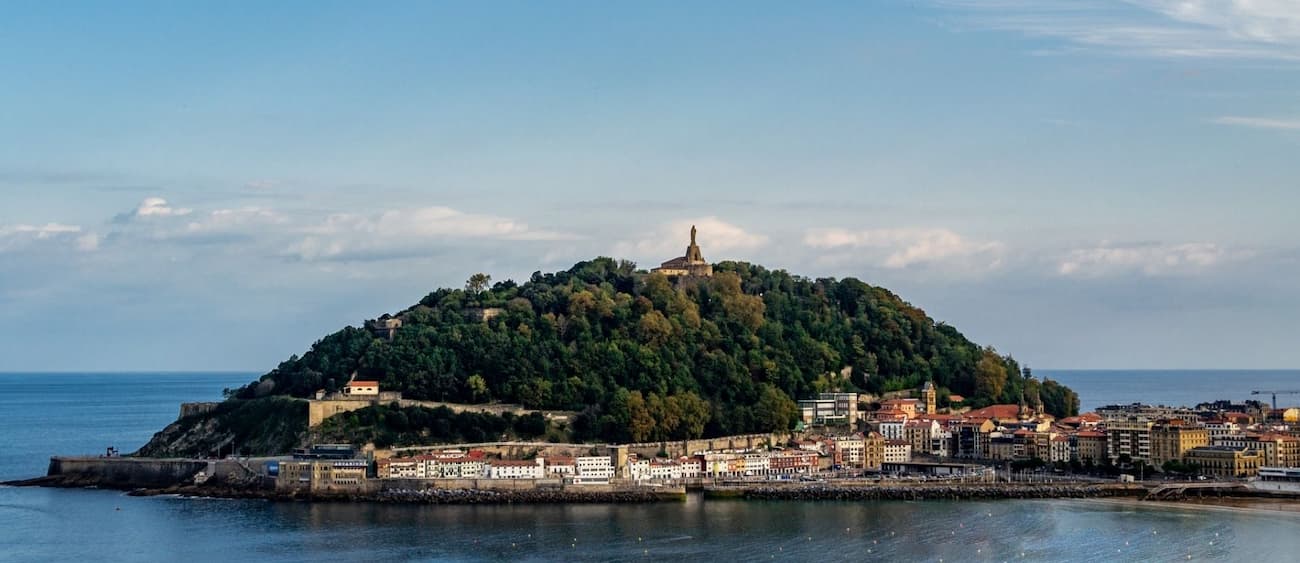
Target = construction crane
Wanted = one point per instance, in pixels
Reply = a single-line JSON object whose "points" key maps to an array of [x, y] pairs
{"points": [[1275, 394]]}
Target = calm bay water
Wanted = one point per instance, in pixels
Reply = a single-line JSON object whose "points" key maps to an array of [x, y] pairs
{"points": [[1174, 387], [45, 414]]}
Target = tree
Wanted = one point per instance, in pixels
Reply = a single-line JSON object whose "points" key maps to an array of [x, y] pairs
{"points": [[640, 422], [990, 375], [477, 283], [775, 411], [478, 389]]}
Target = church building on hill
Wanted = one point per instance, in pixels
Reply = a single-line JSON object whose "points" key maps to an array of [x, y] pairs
{"points": [[692, 264]]}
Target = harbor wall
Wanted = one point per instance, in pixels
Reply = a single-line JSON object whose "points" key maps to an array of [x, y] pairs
{"points": [[116, 472]]}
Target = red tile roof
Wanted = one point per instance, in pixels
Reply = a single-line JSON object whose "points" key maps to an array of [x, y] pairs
{"points": [[996, 411]]}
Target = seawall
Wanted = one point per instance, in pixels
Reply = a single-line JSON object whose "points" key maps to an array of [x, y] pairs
{"points": [[149, 473], [123, 473], [834, 491]]}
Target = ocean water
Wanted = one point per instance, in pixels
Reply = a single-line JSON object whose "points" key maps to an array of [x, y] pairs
{"points": [[1175, 387], [44, 414]]}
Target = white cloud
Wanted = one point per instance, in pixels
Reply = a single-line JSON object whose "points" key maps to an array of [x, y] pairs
{"points": [[155, 207], [13, 237], [233, 219], [902, 248], [1194, 29], [1259, 122], [717, 238], [1147, 259], [407, 231]]}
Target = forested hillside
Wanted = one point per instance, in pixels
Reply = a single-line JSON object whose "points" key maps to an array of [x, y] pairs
{"points": [[644, 358]]}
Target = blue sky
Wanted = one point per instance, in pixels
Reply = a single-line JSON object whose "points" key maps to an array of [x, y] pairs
{"points": [[1082, 183]]}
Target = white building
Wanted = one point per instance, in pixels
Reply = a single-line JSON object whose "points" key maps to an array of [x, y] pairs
{"points": [[361, 388], [852, 449], [898, 451], [638, 469], [1060, 449], [893, 429], [400, 468], [690, 467], [515, 469], [757, 464], [561, 467], [665, 470], [453, 468], [598, 466]]}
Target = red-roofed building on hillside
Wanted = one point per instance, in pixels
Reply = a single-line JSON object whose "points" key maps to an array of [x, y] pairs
{"points": [[998, 413], [361, 388], [905, 406]]}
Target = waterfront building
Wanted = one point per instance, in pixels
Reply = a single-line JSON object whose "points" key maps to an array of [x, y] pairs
{"points": [[848, 451], [561, 466], [515, 469], [873, 451], [919, 433], [665, 470], [793, 461], [1278, 450], [638, 469], [1129, 437], [723, 464], [1060, 449], [1171, 439], [1001, 447], [1090, 446], [399, 468], [440, 466], [689, 467], [757, 463], [897, 451], [323, 475], [971, 437], [1225, 461], [597, 466]]}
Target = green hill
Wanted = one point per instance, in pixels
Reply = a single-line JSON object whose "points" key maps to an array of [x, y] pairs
{"points": [[641, 357]]}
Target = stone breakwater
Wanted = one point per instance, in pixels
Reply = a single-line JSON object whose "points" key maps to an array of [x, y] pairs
{"points": [[929, 492]]}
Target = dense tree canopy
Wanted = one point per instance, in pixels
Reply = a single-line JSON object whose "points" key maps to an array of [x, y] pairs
{"points": [[643, 357]]}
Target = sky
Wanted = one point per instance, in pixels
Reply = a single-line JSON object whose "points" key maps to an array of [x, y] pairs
{"points": [[1079, 183]]}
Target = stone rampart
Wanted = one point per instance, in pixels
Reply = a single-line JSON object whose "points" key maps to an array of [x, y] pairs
{"points": [[319, 411], [122, 473], [191, 409], [678, 448]]}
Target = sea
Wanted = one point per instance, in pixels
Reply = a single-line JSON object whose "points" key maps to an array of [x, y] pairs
{"points": [[47, 414]]}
